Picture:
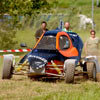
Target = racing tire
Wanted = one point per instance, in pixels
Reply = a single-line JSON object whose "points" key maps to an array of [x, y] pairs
{"points": [[7, 68], [69, 68], [90, 68]]}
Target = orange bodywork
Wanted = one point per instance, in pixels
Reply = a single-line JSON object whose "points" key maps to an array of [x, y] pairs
{"points": [[71, 51]]}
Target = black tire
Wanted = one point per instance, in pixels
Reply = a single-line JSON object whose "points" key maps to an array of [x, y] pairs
{"points": [[69, 68], [7, 68], [90, 67]]}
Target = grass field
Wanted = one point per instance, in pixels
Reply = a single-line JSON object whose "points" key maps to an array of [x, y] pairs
{"points": [[17, 89], [22, 88]]}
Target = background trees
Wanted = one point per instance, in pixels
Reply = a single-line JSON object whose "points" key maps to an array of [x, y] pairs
{"points": [[11, 13]]}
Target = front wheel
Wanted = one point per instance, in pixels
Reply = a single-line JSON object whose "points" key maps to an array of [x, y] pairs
{"points": [[69, 68], [7, 68]]}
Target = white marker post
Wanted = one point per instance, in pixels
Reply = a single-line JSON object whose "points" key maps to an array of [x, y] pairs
{"points": [[97, 3], [93, 14]]}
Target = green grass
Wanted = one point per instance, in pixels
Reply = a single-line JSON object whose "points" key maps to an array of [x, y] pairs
{"points": [[22, 88], [25, 36]]}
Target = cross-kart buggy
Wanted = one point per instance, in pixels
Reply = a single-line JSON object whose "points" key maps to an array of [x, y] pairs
{"points": [[56, 54]]}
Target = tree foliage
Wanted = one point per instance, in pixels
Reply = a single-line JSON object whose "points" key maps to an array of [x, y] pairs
{"points": [[15, 9], [22, 7]]}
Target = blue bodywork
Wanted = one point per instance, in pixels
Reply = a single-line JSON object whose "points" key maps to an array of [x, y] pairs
{"points": [[54, 54]]}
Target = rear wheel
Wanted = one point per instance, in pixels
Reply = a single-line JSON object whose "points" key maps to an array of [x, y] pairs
{"points": [[7, 68], [94, 72], [90, 68], [69, 68]]}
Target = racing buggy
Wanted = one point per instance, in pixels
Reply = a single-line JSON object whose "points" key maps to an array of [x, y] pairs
{"points": [[56, 54]]}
